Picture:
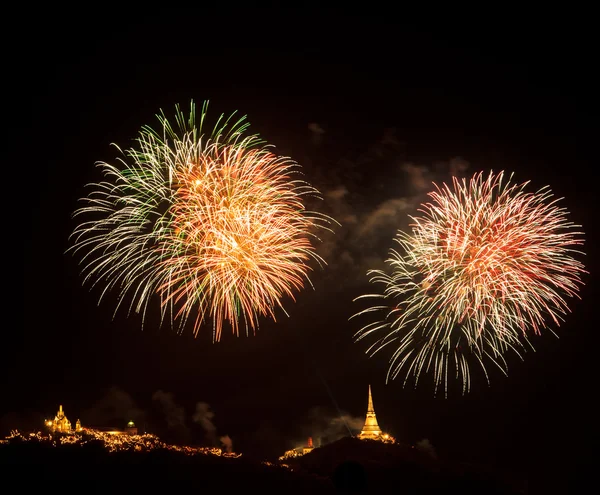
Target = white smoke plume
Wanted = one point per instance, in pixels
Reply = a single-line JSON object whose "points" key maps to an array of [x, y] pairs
{"points": [[204, 417], [373, 196], [227, 443], [426, 448], [316, 132], [114, 408], [326, 427], [174, 414]]}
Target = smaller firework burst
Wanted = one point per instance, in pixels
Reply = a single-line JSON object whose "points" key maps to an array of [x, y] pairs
{"points": [[486, 266]]}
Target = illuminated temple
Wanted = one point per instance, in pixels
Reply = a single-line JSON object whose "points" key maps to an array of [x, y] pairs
{"points": [[299, 451], [371, 430], [61, 424]]}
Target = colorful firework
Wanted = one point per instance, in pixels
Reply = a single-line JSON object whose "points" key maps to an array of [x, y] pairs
{"points": [[214, 225], [486, 265]]}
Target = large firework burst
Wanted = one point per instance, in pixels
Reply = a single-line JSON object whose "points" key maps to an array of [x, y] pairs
{"points": [[214, 224], [485, 266]]}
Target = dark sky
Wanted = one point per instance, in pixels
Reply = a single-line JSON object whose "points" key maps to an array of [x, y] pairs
{"points": [[398, 102]]}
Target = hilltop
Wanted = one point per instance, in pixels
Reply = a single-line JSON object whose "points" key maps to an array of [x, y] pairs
{"points": [[383, 468], [365, 466]]}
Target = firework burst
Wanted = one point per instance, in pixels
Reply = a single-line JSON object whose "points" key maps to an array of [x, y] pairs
{"points": [[214, 225], [484, 268]]}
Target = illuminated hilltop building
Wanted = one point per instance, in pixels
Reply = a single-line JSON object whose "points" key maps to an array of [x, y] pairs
{"points": [[371, 430], [308, 447], [298, 451], [61, 424], [131, 428]]}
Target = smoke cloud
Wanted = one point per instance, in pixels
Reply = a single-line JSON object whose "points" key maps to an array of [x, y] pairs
{"points": [[23, 421], [426, 448], [372, 199], [114, 409], [204, 417], [227, 443], [326, 427], [173, 414], [316, 133]]}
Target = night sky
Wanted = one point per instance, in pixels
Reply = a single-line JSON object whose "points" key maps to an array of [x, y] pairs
{"points": [[374, 108]]}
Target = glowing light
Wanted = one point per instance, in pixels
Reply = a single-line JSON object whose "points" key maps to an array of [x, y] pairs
{"points": [[214, 225], [113, 441], [484, 268]]}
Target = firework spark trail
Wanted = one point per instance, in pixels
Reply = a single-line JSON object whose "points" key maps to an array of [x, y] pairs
{"points": [[213, 224], [240, 233], [486, 265]]}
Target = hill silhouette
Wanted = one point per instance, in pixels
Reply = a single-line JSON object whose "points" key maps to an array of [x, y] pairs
{"points": [[363, 466], [92, 469], [348, 466]]}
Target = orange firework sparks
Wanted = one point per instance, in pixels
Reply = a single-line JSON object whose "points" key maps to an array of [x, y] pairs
{"points": [[240, 239], [215, 225]]}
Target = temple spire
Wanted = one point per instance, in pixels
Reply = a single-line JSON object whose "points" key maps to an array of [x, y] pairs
{"points": [[371, 429], [370, 408]]}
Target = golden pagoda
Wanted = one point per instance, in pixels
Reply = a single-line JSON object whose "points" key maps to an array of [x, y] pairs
{"points": [[60, 423], [371, 429]]}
